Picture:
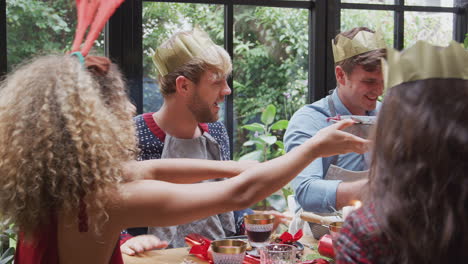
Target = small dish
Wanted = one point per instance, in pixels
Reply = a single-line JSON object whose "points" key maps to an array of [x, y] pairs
{"points": [[254, 253]]}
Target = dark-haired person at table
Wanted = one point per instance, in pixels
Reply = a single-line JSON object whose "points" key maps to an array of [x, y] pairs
{"points": [[417, 208]]}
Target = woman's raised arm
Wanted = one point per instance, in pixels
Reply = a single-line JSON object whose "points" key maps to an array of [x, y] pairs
{"points": [[154, 203], [184, 170]]}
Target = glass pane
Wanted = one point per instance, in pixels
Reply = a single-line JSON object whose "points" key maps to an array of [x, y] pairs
{"points": [[373, 19], [381, 2], [436, 28], [41, 27], [160, 21], [270, 67], [445, 3]]}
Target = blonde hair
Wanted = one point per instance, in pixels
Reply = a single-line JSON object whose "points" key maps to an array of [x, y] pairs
{"points": [[212, 57], [63, 135]]}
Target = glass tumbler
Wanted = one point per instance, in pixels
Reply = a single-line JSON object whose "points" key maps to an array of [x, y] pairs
{"points": [[278, 254], [228, 251], [258, 228]]}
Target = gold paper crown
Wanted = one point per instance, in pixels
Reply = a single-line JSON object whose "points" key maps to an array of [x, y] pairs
{"points": [[183, 47], [425, 61], [363, 42]]}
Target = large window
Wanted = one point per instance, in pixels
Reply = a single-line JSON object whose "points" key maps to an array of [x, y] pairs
{"points": [[403, 22], [270, 65], [270, 52], [436, 28], [280, 48], [381, 20], [160, 21]]}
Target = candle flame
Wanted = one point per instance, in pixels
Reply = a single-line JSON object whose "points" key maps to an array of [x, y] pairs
{"points": [[357, 204]]}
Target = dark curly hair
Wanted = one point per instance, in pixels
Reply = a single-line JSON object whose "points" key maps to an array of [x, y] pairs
{"points": [[419, 174]]}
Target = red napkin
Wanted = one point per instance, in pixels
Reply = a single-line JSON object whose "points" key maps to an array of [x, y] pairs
{"points": [[200, 246], [287, 238], [325, 246]]}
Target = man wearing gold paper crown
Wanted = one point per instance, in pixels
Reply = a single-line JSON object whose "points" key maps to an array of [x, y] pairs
{"points": [[192, 74], [416, 211], [333, 182]]}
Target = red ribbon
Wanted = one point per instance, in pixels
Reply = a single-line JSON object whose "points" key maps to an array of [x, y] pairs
{"points": [[287, 238], [201, 251], [200, 246]]}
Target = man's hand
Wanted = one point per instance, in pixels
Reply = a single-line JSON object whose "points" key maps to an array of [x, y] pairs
{"points": [[141, 244]]}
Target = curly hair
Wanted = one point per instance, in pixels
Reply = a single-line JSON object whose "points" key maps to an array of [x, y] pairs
{"points": [[418, 178], [64, 133]]}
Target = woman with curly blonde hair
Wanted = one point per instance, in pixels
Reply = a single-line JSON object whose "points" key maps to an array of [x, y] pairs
{"points": [[68, 184]]}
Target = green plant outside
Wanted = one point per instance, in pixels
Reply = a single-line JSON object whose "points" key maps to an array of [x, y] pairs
{"points": [[466, 41], [7, 245], [263, 145]]}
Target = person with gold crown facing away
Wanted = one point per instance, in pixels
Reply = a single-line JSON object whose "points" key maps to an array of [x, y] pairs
{"points": [[416, 207]]}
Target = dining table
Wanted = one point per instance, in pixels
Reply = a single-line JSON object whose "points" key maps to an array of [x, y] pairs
{"points": [[181, 255]]}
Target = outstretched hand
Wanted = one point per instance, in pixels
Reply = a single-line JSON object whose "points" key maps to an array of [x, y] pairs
{"points": [[141, 244], [334, 141]]}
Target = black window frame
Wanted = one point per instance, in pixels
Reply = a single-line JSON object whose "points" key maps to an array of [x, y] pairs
{"points": [[460, 27], [124, 32]]}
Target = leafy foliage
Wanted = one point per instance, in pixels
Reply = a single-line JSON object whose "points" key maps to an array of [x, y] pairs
{"points": [[26, 18], [7, 245], [436, 28], [270, 63], [374, 19], [263, 143], [466, 41], [270, 54], [41, 27]]}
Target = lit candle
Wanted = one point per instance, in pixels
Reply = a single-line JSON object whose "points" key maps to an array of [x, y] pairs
{"points": [[348, 209]]}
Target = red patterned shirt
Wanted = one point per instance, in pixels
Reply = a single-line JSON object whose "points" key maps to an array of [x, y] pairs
{"points": [[360, 240]]}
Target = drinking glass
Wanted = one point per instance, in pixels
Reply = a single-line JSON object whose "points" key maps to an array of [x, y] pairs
{"points": [[228, 251], [259, 227], [278, 254]]}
